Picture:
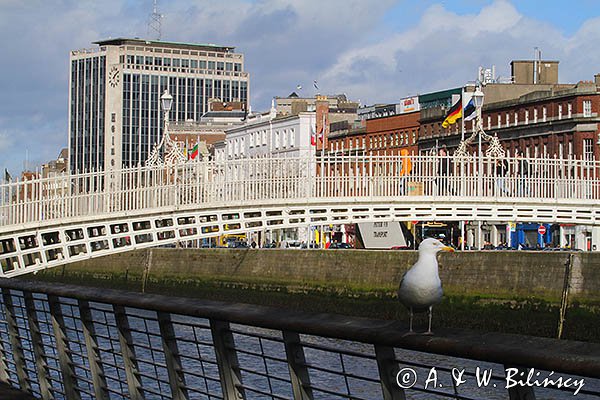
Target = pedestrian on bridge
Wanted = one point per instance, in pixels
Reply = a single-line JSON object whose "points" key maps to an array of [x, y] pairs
{"points": [[501, 171]]}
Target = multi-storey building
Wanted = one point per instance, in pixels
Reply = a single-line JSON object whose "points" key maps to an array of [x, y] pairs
{"points": [[543, 119], [115, 90], [384, 130], [270, 135]]}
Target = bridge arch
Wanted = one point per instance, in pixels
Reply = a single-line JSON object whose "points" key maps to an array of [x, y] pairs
{"points": [[102, 213]]}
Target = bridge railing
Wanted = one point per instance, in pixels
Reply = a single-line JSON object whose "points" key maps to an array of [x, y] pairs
{"points": [[248, 181], [64, 341]]}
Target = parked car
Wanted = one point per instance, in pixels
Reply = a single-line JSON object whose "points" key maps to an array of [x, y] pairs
{"points": [[340, 245]]}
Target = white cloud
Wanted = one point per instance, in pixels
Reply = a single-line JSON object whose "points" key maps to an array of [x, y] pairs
{"points": [[444, 50], [344, 44]]}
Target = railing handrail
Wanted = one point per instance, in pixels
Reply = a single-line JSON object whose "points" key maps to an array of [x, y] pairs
{"points": [[570, 357]]}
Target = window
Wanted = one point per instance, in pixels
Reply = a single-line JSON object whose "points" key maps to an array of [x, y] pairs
{"points": [[507, 120], [264, 138], [499, 121], [489, 122], [277, 139], [560, 111], [251, 141], [588, 149], [569, 110], [587, 108], [516, 118], [292, 137], [526, 117], [535, 115], [570, 149], [544, 114]]}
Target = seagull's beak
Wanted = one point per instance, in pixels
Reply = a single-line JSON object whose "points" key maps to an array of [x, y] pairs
{"points": [[448, 248]]}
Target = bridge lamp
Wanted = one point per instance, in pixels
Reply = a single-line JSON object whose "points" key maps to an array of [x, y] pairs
{"points": [[478, 98], [478, 102], [166, 101]]}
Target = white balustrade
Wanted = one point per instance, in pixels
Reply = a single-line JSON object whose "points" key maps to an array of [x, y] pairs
{"points": [[248, 181]]}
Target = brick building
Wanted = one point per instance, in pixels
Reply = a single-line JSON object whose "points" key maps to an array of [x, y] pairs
{"points": [[382, 133]]}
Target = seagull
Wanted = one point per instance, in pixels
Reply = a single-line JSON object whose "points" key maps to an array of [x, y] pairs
{"points": [[420, 287]]}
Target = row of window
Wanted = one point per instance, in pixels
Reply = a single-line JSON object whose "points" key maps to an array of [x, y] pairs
{"points": [[181, 63], [562, 111], [499, 120], [184, 52], [282, 139]]}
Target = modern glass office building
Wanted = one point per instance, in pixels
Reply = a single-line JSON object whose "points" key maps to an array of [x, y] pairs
{"points": [[115, 89]]}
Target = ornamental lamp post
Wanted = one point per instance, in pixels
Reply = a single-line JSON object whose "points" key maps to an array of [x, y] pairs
{"points": [[478, 102], [166, 101], [172, 152]]}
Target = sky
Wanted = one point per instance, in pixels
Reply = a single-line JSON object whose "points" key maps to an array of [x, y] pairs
{"points": [[374, 51]]}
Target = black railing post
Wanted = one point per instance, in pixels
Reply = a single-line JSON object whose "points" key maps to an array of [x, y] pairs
{"points": [[519, 392], [299, 375], [37, 344], [388, 369], [93, 352], [15, 341], [172, 359], [127, 351], [62, 348], [229, 371]]}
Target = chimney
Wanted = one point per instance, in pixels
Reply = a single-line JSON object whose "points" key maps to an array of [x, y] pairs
{"points": [[322, 123]]}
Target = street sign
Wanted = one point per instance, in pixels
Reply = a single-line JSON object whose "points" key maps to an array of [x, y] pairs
{"points": [[541, 229]]}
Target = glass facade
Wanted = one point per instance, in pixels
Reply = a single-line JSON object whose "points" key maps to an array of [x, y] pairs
{"points": [[87, 114], [193, 75]]}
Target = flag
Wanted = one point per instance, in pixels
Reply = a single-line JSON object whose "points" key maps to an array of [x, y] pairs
{"points": [[194, 152], [315, 85], [313, 136], [469, 111], [7, 177], [454, 114]]}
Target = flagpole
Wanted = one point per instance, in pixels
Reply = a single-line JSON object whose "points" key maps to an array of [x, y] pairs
{"points": [[462, 123]]}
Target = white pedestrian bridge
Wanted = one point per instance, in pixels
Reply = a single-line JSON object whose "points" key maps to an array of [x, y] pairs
{"points": [[46, 222]]}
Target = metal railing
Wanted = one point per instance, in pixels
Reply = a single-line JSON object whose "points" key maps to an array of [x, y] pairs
{"points": [[247, 181], [64, 341]]}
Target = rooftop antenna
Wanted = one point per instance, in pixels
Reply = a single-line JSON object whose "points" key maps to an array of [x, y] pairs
{"points": [[154, 23]]}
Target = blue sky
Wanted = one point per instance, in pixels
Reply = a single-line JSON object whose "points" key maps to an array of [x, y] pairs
{"points": [[374, 51]]}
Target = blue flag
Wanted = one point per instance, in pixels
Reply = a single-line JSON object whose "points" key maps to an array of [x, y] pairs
{"points": [[469, 111]]}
